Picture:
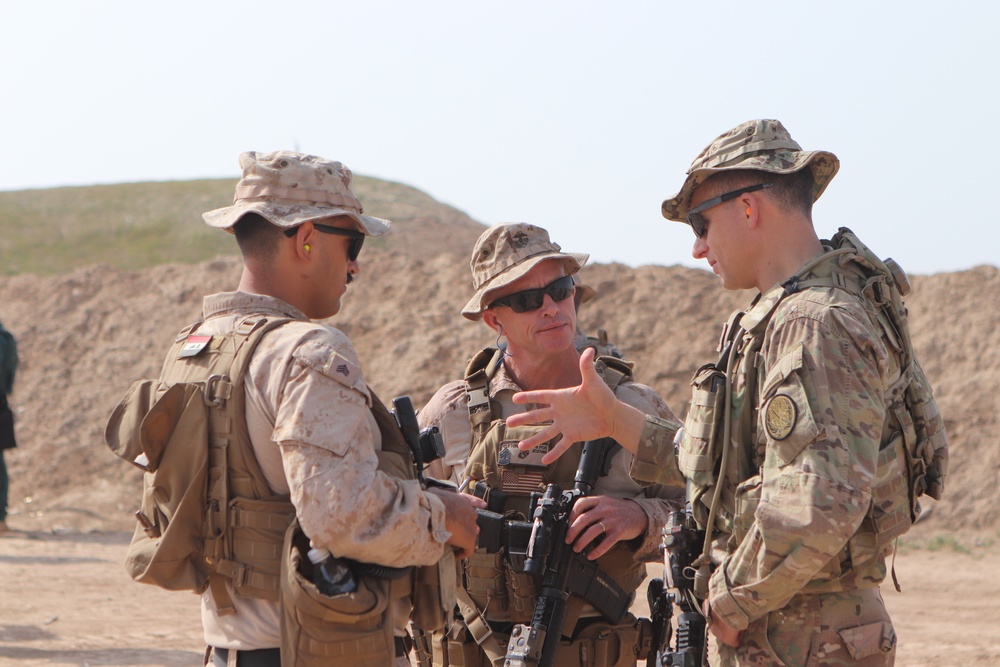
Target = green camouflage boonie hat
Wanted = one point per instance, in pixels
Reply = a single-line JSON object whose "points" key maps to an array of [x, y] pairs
{"points": [[289, 188], [507, 251], [764, 145]]}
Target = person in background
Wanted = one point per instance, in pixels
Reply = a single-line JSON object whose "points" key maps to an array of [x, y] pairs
{"points": [[8, 369]]}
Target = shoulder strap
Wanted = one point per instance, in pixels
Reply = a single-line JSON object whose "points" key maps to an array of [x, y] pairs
{"points": [[478, 373]]}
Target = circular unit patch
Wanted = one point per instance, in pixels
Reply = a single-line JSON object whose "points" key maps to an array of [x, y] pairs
{"points": [[780, 416]]}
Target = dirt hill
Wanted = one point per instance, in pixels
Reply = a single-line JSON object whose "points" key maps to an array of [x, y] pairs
{"points": [[85, 336]]}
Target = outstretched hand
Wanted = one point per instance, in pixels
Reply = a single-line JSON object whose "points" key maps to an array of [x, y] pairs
{"points": [[588, 411], [576, 414]]}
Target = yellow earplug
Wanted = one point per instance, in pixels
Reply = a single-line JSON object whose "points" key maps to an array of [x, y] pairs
{"points": [[309, 247]]}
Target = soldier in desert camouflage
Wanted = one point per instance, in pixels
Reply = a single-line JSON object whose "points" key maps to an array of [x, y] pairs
{"points": [[318, 431], [809, 436], [524, 291]]}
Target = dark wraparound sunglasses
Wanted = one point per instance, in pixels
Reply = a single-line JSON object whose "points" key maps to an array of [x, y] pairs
{"points": [[532, 299], [353, 249], [698, 221]]}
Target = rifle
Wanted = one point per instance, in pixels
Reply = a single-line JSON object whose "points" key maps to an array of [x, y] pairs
{"points": [[425, 446], [563, 572], [685, 568], [682, 542]]}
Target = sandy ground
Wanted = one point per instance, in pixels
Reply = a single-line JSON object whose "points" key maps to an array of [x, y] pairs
{"points": [[66, 601]]}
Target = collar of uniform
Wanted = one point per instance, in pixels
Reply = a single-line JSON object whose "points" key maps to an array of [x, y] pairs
{"points": [[226, 303], [761, 310], [502, 381]]}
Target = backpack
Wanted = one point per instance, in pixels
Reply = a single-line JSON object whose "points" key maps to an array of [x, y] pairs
{"points": [[913, 408], [206, 513]]}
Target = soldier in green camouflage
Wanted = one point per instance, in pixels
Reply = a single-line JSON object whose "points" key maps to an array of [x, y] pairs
{"points": [[795, 446]]}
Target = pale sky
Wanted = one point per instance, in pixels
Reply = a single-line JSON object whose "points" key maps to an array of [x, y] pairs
{"points": [[578, 116]]}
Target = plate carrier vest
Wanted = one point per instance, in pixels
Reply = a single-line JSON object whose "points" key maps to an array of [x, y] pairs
{"points": [[494, 592], [913, 455], [207, 513]]}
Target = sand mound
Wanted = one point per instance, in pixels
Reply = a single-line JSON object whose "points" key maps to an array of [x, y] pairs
{"points": [[85, 336]]}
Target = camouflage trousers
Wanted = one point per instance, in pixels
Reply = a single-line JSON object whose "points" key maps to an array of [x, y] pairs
{"points": [[829, 629]]}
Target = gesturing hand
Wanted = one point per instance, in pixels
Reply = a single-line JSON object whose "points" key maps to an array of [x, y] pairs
{"points": [[588, 411], [577, 414]]}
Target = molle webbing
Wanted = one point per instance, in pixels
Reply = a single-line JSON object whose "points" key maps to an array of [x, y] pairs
{"points": [[494, 592], [245, 522], [913, 444], [480, 370]]}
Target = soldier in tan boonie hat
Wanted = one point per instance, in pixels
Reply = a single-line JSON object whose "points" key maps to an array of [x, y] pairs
{"points": [[288, 188], [507, 251], [763, 145], [525, 288], [306, 435]]}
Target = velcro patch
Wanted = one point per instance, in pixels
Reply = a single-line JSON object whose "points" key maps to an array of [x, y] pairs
{"points": [[333, 363], [193, 346], [780, 416], [510, 455]]}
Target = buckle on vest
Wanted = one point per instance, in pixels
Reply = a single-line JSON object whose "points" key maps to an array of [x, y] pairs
{"points": [[791, 285], [876, 291], [479, 399], [213, 399]]}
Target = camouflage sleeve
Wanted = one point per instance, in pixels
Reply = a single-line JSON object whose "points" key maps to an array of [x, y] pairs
{"points": [[328, 442], [821, 411], [448, 410], [655, 461], [658, 499]]}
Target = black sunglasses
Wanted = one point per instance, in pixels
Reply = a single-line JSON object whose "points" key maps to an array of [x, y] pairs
{"points": [[353, 249], [698, 221], [532, 299]]}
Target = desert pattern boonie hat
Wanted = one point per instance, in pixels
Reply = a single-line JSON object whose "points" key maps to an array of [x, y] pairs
{"points": [[764, 145], [289, 188], [507, 251]]}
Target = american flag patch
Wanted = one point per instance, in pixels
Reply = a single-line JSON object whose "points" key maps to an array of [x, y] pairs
{"points": [[521, 483]]}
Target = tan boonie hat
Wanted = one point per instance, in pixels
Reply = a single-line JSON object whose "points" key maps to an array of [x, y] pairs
{"points": [[507, 251], [756, 144], [290, 188]]}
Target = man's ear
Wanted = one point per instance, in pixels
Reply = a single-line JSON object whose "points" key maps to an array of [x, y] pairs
{"points": [[751, 209], [302, 241], [490, 318]]}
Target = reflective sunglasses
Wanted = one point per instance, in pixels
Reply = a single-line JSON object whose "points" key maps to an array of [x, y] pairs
{"points": [[698, 221], [353, 248], [532, 299]]}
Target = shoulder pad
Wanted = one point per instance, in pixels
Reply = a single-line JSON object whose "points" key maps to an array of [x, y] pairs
{"points": [[613, 370], [481, 361], [621, 365]]}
